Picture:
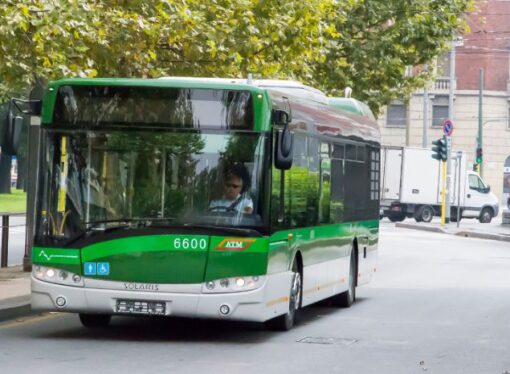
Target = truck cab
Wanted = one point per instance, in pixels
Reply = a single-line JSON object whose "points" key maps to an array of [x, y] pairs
{"points": [[479, 202]]}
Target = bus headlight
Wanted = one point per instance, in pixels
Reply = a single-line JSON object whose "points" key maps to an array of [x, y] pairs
{"points": [[235, 284], [59, 276]]}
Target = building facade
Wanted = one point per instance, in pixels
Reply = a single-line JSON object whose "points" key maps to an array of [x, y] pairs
{"points": [[487, 47]]}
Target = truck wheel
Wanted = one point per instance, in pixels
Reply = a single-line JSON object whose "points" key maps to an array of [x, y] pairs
{"points": [[426, 213], [417, 215], [485, 215]]}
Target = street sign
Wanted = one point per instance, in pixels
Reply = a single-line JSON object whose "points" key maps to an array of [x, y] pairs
{"points": [[447, 127]]}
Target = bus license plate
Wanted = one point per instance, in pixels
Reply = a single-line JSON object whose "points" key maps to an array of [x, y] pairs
{"points": [[141, 307]]}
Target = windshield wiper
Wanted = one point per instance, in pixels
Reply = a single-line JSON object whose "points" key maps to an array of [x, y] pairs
{"points": [[121, 224], [230, 230], [94, 228]]}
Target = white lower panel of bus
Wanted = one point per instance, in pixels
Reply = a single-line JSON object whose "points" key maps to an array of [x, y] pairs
{"points": [[266, 302]]}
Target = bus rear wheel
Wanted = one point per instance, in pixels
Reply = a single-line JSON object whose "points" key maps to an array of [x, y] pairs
{"points": [[95, 320], [286, 321], [347, 298]]}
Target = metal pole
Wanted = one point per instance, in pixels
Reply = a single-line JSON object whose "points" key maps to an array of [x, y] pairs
{"points": [[443, 192], [408, 123], [34, 140], [448, 148], [480, 121], [5, 240], [459, 164], [424, 140]]}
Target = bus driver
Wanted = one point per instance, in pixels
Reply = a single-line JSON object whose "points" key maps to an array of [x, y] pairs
{"points": [[234, 197]]}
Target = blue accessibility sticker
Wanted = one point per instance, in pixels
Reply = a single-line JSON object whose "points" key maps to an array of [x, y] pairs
{"points": [[103, 268], [90, 268]]}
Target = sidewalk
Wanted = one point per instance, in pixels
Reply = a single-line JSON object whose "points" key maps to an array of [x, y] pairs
{"points": [[14, 293]]}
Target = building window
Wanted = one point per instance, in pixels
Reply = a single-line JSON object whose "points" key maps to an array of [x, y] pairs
{"points": [[443, 65], [439, 110], [397, 115]]}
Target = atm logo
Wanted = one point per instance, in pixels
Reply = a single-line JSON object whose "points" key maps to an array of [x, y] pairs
{"points": [[234, 244]]}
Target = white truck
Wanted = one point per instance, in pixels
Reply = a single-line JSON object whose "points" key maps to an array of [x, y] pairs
{"points": [[411, 187]]}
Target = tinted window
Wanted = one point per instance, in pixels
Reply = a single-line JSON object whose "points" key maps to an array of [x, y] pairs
{"points": [[88, 106]]}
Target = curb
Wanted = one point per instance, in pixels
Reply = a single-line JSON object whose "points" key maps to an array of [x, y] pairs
{"points": [[15, 307], [464, 233], [422, 228], [481, 235]]}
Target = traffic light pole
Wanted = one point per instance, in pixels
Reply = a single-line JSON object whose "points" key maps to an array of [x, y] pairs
{"points": [[448, 177], [448, 138], [443, 192], [480, 123]]}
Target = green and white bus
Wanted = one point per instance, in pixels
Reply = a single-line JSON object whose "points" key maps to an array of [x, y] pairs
{"points": [[129, 168]]}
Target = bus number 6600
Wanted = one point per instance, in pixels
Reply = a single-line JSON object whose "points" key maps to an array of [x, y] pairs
{"points": [[193, 243]]}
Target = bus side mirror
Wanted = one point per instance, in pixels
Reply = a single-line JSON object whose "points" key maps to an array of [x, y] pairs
{"points": [[12, 133], [280, 117], [283, 150], [487, 189]]}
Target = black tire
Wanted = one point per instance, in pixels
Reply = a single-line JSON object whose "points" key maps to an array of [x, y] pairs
{"points": [[286, 321], [95, 320], [398, 217], [347, 298], [485, 215], [426, 213]]}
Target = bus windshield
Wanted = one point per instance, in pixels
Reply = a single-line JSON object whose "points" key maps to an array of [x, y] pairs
{"points": [[95, 180]]}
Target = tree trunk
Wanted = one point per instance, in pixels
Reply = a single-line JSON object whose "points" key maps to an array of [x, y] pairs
{"points": [[5, 173]]}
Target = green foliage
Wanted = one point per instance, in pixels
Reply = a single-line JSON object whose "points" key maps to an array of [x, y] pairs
{"points": [[15, 202], [365, 44], [381, 39]]}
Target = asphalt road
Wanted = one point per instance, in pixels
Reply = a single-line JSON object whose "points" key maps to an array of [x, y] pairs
{"points": [[439, 304]]}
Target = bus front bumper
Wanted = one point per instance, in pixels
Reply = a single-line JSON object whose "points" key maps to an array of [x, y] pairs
{"points": [[268, 301]]}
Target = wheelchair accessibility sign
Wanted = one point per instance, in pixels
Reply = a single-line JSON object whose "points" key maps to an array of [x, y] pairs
{"points": [[103, 268], [97, 268]]}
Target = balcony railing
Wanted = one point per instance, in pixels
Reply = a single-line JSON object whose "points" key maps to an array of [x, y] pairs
{"points": [[442, 84]]}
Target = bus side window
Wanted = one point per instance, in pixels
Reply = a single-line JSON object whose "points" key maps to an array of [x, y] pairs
{"points": [[298, 178], [313, 181], [338, 182], [325, 191]]}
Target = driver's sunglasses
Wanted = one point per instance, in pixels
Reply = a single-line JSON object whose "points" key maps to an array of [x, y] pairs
{"points": [[232, 185]]}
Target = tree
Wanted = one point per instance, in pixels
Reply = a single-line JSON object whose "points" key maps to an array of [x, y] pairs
{"points": [[380, 40], [5, 160], [365, 44]]}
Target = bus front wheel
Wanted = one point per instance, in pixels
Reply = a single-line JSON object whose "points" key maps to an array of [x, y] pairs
{"points": [[287, 320], [95, 320]]}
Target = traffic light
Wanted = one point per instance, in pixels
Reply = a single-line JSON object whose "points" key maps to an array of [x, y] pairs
{"points": [[439, 149], [479, 156]]}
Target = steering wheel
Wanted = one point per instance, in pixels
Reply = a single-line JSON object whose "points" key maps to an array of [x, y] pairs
{"points": [[221, 209]]}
